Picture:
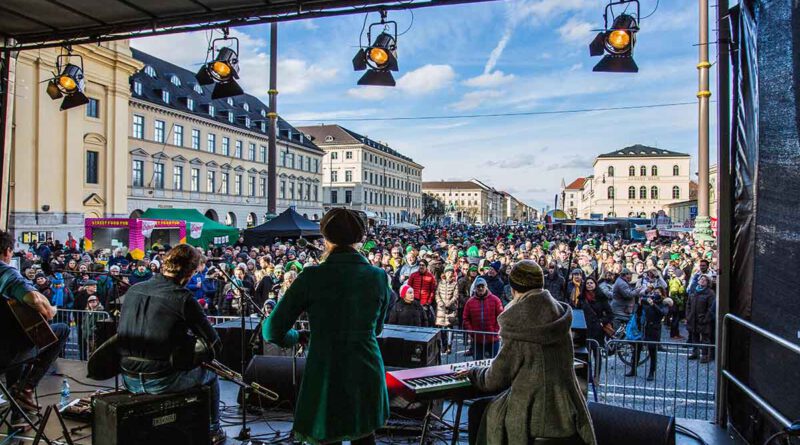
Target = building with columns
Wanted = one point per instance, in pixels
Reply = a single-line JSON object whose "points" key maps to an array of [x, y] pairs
{"points": [[187, 150], [475, 202], [633, 181], [367, 175], [67, 165]]}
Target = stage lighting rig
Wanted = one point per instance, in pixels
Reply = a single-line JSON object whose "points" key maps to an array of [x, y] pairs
{"points": [[380, 58], [223, 70], [68, 81], [616, 44]]}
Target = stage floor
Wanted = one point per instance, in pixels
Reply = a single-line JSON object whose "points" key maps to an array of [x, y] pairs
{"points": [[273, 427]]}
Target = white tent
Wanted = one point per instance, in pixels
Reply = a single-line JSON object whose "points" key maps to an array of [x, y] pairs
{"points": [[404, 226]]}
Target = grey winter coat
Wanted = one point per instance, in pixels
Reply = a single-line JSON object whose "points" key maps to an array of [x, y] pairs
{"points": [[447, 303], [542, 398], [624, 299]]}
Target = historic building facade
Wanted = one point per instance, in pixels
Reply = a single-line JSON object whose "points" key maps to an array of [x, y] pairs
{"points": [[187, 150], [475, 202], [66, 165], [363, 174], [633, 181]]}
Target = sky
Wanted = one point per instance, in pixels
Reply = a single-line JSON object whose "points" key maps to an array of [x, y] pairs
{"points": [[486, 58]]}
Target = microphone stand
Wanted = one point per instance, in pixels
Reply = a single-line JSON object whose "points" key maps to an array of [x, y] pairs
{"points": [[244, 297]]}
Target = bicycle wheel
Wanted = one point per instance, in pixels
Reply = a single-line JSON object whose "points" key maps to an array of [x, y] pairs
{"points": [[625, 353]]}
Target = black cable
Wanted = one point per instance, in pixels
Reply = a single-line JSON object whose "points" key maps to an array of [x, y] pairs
{"points": [[82, 383], [654, 11], [523, 113], [361, 34], [409, 25]]}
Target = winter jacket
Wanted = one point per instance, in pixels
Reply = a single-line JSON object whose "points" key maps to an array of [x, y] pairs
{"points": [[597, 313], [407, 314], [495, 284], [700, 308], [555, 285], [480, 314], [137, 277], [447, 303], [624, 299], [535, 371], [195, 285], [424, 286], [653, 315]]}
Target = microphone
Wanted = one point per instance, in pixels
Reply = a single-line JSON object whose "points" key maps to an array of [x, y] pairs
{"points": [[304, 244]]}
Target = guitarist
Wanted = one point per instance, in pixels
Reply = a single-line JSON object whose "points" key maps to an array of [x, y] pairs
{"points": [[13, 344]]}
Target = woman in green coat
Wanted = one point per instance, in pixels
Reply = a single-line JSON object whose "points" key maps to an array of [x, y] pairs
{"points": [[343, 394]]}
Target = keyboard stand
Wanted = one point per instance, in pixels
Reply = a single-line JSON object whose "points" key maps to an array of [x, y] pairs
{"points": [[430, 416]]}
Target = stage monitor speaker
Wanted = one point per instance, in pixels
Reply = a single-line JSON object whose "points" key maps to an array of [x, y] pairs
{"points": [[409, 346], [121, 418], [614, 426], [275, 373], [230, 335]]}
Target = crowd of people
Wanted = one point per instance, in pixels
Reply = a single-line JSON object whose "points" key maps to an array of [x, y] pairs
{"points": [[445, 277]]}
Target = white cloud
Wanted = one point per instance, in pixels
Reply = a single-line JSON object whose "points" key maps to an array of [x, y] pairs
{"points": [[576, 31], [489, 80], [426, 79], [474, 99], [498, 49], [368, 92]]}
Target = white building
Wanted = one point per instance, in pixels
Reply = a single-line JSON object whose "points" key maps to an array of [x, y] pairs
{"points": [[633, 181], [367, 175]]}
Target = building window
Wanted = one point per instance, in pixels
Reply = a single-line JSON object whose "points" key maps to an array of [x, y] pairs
{"points": [[676, 170], [137, 176], [334, 176], [226, 146], [137, 88], [190, 104], [230, 116], [93, 108], [610, 170], [158, 176], [247, 122], [223, 187], [251, 185], [334, 155], [334, 197], [631, 192], [299, 162], [175, 80], [283, 190], [138, 126], [92, 167], [177, 178], [300, 191], [348, 155], [348, 196], [348, 176], [251, 151], [165, 96], [654, 170], [211, 143], [631, 171], [150, 71], [177, 135], [237, 185], [238, 150], [198, 89], [291, 191], [211, 110], [308, 163], [196, 139], [211, 181], [246, 106], [262, 187], [316, 166], [230, 101], [158, 131], [263, 113], [195, 180], [653, 192], [642, 192], [676, 192], [316, 193], [262, 153], [643, 171]]}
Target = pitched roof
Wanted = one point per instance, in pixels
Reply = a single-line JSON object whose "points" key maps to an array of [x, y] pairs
{"points": [[576, 184], [445, 185], [639, 150], [152, 88], [324, 135]]}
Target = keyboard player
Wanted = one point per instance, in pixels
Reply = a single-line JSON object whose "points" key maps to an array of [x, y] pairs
{"points": [[540, 401]]}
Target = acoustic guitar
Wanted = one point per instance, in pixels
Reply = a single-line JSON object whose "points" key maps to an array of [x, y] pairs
{"points": [[28, 322]]}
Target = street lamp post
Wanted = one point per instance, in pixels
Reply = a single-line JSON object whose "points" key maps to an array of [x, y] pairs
{"points": [[702, 227]]}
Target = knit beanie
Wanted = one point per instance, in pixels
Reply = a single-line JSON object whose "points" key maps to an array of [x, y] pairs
{"points": [[404, 290], [478, 281], [342, 227], [526, 275]]}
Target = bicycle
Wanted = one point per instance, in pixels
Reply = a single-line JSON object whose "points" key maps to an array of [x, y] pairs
{"points": [[623, 350]]}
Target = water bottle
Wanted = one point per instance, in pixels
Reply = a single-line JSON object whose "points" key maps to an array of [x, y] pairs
{"points": [[65, 395]]}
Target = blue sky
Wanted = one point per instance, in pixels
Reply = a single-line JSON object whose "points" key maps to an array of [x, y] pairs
{"points": [[495, 57]]}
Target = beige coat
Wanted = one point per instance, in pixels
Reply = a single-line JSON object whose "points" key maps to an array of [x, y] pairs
{"points": [[447, 303]]}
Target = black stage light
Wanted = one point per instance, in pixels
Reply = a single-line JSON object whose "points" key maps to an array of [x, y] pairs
{"points": [[222, 71], [69, 83], [616, 44], [379, 59]]}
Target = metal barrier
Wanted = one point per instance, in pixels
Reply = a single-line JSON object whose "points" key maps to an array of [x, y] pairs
{"points": [[680, 387], [727, 376], [87, 331]]}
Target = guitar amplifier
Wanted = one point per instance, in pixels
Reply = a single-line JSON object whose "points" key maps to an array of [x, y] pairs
{"points": [[121, 418], [409, 346], [230, 334]]}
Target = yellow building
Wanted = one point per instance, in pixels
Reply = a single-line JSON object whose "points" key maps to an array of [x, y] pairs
{"points": [[67, 165]]}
